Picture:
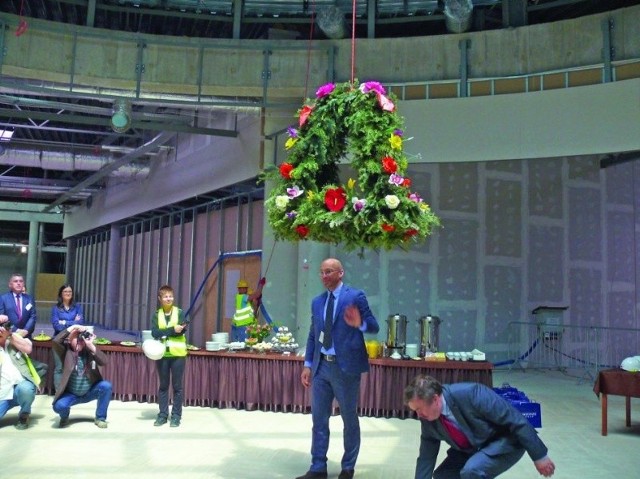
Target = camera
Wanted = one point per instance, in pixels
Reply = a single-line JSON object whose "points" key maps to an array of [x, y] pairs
{"points": [[84, 335]]}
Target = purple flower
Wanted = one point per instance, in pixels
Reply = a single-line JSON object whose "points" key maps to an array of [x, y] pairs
{"points": [[415, 197], [375, 86], [294, 191], [398, 132], [293, 133], [292, 215], [396, 179], [325, 90], [358, 203]]}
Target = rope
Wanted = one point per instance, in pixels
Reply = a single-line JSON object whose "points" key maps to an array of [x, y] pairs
{"points": [[353, 42], [306, 78]]}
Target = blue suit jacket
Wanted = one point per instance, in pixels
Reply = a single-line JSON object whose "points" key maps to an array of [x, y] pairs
{"points": [[351, 354], [490, 423], [8, 307]]}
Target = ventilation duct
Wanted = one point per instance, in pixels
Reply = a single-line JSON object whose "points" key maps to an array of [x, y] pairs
{"points": [[53, 160], [331, 21], [457, 15]]}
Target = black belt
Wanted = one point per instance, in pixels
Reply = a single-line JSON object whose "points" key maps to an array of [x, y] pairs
{"points": [[328, 357]]}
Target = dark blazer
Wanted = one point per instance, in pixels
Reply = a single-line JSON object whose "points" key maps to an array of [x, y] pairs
{"points": [[351, 354], [490, 423], [8, 307]]}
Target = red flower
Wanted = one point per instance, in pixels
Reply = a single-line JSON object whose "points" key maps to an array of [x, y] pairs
{"points": [[389, 165], [302, 230], [406, 183], [304, 114], [409, 233], [388, 228], [285, 170], [335, 199]]}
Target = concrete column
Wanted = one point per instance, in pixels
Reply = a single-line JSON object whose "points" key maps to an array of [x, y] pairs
{"points": [[32, 257]]}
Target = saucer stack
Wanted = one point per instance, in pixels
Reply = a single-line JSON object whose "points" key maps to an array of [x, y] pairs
{"points": [[222, 338]]}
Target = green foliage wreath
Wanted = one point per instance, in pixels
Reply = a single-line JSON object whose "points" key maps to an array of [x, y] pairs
{"points": [[378, 210]]}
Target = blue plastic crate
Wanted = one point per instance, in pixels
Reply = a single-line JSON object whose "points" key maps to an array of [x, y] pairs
{"points": [[530, 410]]}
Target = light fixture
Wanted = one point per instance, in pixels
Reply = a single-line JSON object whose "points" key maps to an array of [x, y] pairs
{"points": [[121, 117], [23, 249], [5, 134]]}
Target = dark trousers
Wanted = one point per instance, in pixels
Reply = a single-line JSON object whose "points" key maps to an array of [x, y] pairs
{"points": [[170, 370], [460, 465]]}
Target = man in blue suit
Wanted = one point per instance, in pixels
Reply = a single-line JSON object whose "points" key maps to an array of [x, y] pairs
{"points": [[334, 361], [19, 307], [486, 433]]}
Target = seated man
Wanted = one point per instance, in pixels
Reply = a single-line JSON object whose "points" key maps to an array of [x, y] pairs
{"points": [[486, 434], [77, 378], [18, 378]]}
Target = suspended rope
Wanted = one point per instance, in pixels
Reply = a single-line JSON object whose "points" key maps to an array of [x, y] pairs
{"points": [[311, 28], [353, 42]]}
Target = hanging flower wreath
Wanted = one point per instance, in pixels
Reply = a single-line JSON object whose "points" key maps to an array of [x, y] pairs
{"points": [[379, 209]]}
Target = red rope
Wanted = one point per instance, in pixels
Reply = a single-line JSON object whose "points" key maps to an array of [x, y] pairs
{"points": [[306, 79], [353, 41]]}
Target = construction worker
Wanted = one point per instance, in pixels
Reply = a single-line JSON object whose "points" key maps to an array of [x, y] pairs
{"points": [[247, 305]]}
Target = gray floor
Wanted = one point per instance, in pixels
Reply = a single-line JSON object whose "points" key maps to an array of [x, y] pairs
{"points": [[230, 444]]}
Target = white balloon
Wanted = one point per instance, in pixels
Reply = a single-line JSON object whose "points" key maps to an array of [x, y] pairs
{"points": [[631, 364], [153, 349]]}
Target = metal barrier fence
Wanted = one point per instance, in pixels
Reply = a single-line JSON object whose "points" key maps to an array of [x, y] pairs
{"points": [[586, 349]]}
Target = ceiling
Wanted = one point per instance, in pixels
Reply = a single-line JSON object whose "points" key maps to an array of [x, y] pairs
{"points": [[64, 148]]}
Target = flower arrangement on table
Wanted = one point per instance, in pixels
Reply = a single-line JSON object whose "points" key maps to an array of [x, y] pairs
{"points": [[379, 209], [257, 333]]}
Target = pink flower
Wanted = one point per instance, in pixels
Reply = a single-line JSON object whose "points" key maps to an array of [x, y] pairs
{"points": [[396, 179], [415, 197], [385, 103], [375, 86], [325, 90]]}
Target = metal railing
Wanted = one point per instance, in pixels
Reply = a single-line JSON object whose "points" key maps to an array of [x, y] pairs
{"points": [[586, 349]]}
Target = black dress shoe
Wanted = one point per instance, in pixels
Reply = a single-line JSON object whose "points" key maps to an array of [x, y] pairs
{"points": [[346, 474], [313, 475]]}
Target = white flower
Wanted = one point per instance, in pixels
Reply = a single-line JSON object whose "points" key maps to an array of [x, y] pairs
{"points": [[282, 201], [392, 201]]}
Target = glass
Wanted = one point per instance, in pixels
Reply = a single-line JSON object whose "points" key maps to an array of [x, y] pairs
{"points": [[327, 272]]}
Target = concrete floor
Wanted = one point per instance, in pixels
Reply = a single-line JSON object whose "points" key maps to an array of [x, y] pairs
{"points": [[231, 444]]}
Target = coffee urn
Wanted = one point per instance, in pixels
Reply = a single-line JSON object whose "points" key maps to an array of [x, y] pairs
{"points": [[396, 333], [429, 333]]}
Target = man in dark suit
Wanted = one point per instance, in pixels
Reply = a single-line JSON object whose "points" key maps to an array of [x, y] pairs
{"points": [[19, 307], [486, 433], [334, 361]]}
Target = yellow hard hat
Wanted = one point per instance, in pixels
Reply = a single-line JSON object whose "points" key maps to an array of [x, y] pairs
{"points": [[242, 284]]}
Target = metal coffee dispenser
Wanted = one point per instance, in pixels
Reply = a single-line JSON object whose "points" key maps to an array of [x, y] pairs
{"points": [[429, 333], [396, 333]]}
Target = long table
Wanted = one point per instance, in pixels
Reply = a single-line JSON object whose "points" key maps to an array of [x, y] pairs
{"points": [[267, 382], [617, 382]]}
